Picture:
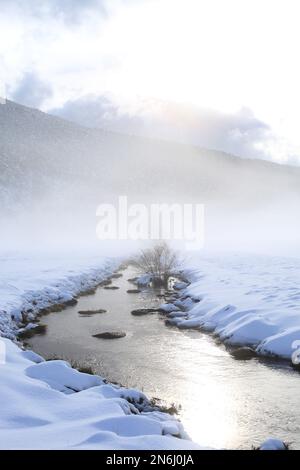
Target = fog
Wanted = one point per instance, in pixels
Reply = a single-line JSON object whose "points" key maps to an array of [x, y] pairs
{"points": [[54, 174]]}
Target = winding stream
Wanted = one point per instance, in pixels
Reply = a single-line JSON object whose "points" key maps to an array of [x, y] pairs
{"points": [[225, 403]]}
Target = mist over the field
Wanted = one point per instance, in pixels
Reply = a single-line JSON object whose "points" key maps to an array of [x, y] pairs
{"points": [[55, 173]]}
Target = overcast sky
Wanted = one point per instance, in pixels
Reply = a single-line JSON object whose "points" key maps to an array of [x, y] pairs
{"points": [[223, 74]]}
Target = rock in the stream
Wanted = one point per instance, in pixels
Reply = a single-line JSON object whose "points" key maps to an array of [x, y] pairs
{"points": [[144, 311], [105, 282], [133, 291], [243, 353], [91, 312], [111, 287], [88, 292], [116, 276], [71, 302], [110, 335]]}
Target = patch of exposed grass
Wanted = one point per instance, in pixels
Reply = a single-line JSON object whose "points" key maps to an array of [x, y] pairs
{"points": [[30, 332], [86, 369], [87, 292], [172, 409], [105, 282]]}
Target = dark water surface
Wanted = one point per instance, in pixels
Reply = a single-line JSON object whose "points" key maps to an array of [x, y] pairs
{"points": [[225, 403]]}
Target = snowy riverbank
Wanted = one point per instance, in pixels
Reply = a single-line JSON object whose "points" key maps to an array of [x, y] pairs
{"points": [[49, 405], [30, 283], [244, 300]]}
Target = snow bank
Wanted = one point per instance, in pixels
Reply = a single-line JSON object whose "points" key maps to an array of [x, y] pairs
{"points": [[34, 282], [49, 405], [167, 308], [245, 300], [273, 444], [144, 280]]}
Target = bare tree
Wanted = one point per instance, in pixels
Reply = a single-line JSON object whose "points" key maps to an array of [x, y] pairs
{"points": [[160, 262]]}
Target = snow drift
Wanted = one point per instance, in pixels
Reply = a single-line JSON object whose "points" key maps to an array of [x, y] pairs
{"points": [[49, 405], [244, 300]]}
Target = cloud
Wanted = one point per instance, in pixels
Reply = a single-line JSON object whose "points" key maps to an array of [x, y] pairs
{"points": [[130, 48], [239, 133], [31, 91], [60, 40], [70, 11]]}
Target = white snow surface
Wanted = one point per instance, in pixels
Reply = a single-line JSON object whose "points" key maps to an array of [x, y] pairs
{"points": [[168, 308], [49, 405], [273, 444], [246, 300], [31, 282], [144, 280]]}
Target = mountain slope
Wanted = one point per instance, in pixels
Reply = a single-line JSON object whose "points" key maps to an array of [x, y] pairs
{"points": [[38, 151], [52, 163]]}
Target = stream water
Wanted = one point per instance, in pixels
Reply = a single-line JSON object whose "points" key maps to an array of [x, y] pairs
{"points": [[225, 403]]}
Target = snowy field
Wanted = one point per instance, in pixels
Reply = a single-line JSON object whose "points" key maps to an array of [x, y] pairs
{"points": [[245, 300]]}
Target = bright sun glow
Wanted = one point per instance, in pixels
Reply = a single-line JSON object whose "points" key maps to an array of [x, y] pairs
{"points": [[205, 55], [216, 54], [212, 54]]}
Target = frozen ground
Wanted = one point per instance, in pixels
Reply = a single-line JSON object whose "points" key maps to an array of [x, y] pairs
{"points": [[246, 300]]}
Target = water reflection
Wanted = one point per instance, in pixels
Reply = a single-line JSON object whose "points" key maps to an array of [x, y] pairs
{"points": [[225, 403]]}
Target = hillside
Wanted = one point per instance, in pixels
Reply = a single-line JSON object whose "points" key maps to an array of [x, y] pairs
{"points": [[62, 166]]}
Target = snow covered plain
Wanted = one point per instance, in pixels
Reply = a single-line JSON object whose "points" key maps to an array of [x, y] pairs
{"points": [[50, 405], [245, 300]]}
